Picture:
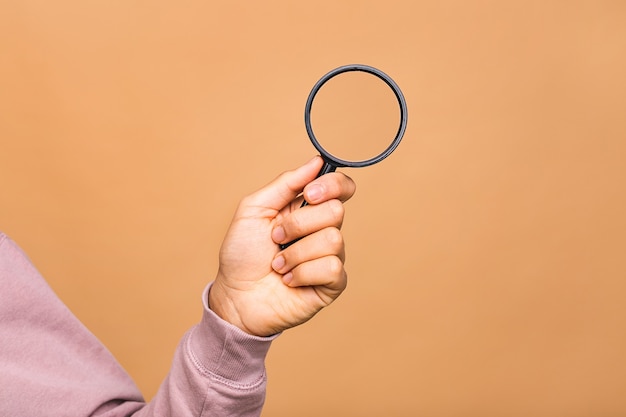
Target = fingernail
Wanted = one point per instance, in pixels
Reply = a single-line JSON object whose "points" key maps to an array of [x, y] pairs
{"points": [[278, 234], [278, 263], [287, 278], [314, 192]]}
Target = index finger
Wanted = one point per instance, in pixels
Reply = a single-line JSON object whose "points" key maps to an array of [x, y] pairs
{"points": [[334, 185]]}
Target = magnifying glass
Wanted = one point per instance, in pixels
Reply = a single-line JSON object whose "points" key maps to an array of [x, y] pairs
{"points": [[371, 157]]}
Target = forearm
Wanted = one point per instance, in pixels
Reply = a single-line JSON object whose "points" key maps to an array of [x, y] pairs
{"points": [[218, 371]]}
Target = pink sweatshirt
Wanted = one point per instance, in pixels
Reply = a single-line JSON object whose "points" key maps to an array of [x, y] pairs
{"points": [[51, 365]]}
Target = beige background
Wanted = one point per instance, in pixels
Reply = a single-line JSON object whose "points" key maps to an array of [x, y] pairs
{"points": [[486, 256]]}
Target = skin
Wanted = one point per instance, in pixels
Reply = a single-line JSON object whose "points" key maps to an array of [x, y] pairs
{"points": [[263, 290]]}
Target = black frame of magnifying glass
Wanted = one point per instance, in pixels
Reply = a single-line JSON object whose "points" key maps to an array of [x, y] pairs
{"points": [[332, 162]]}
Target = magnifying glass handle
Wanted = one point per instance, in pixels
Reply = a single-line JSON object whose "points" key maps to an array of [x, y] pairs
{"points": [[327, 168]]}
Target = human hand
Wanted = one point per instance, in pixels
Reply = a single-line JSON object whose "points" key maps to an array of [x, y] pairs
{"points": [[263, 290]]}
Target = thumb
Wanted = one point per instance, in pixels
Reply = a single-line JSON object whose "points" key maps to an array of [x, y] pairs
{"points": [[286, 186]]}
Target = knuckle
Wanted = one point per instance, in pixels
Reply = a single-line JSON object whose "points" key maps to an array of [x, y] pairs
{"points": [[335, 266], [343, 186], [294, 223], [337, 209], [334, 239], [344, 281], [351, 185]]}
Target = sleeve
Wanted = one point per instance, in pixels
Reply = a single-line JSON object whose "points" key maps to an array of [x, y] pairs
{"points": [[51, 365], [218, 370]]}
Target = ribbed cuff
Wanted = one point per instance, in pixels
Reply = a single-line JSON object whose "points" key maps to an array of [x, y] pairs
{"points": [[226, 351]]}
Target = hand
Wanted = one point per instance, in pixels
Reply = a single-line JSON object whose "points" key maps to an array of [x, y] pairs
{"points": [[263, 290]]}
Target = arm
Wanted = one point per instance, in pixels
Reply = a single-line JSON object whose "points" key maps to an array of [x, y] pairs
{"points": [[259, 292], [50, 364]]}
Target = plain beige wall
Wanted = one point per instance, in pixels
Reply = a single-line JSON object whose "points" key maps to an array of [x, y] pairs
{"points": [[486, 256]]}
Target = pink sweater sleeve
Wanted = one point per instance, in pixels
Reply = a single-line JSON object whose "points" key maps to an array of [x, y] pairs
{"points": [[51, 365]]}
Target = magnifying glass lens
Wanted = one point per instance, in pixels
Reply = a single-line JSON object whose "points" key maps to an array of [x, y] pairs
{"points": [[355, 115]]}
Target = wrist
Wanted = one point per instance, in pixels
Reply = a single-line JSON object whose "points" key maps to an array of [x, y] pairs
{"points": [[223, 306]]}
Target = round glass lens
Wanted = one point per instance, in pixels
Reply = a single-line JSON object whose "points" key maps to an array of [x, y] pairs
{"points": [[355, 116]]}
